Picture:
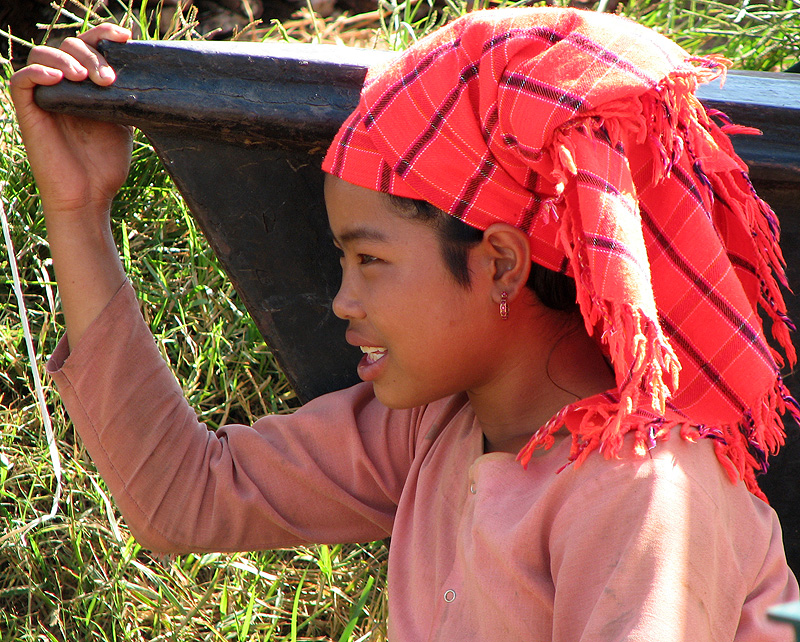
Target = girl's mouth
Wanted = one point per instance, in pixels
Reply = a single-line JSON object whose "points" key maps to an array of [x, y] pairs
{"points": [[373, 354], [372, 364]]}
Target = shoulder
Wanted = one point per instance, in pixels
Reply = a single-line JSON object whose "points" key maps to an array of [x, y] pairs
{"points": [[672, 528], [675, 476], [678, 492], [672, 465]]}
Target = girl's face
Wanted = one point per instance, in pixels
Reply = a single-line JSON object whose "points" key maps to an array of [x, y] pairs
{"points": [[424, 336]]}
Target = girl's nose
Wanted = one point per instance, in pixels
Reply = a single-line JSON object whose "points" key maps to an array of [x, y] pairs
{"points": [[345, 304]]}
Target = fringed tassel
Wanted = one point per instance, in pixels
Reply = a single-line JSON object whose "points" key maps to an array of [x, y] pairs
{"points": [[644, 362], [742, 201], [591, 422], [646, 367], [742, 449], [729, 127]]}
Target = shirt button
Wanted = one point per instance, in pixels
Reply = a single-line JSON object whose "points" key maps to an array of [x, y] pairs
{"points": [[449, 595], [472, 488]]}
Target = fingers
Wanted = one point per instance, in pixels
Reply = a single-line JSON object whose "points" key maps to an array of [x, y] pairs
{"points": [[58, 61], [78, 59], [28, 77], [86, 62], [83, 49], [105, 31]]}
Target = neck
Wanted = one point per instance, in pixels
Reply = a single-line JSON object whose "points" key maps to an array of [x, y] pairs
{"points": [[539, 374]]}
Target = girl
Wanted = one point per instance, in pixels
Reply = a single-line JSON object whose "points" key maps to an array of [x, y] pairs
{"points": [[560, 450]]}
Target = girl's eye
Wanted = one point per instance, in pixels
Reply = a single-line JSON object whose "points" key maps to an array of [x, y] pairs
{"points": [[361, 259]]}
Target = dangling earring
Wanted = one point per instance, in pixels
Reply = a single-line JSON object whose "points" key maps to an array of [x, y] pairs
{"points": [[504, 306]]}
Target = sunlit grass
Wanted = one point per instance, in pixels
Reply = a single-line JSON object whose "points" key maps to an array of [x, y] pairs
{"points": [[762, 36]]}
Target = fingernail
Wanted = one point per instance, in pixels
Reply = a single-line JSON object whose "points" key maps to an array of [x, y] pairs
{"points": [[107, 73]]}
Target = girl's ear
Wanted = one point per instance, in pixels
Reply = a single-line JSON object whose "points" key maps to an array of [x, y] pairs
{"points": [[507, 253]]}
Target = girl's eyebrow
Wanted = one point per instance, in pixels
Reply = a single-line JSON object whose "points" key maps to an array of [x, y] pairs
{"points": [[359, 234]]}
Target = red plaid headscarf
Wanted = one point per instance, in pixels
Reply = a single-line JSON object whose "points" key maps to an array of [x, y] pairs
{"points": [[583, 130]]}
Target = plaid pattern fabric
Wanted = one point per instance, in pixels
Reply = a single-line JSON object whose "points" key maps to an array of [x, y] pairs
{"points": [[582, 129]]}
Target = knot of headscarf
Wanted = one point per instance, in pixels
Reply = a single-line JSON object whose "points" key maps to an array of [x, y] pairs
{"points": [[583, 130]]}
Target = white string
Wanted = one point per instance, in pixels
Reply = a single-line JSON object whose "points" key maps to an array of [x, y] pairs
{"points": [[48, 427]]}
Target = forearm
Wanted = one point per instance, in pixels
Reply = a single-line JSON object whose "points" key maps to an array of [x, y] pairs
{"points": [[87, 267], [79, 165], [318, 475]]}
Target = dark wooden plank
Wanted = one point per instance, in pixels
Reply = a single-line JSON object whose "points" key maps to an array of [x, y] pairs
{"points": [[248, 93]]}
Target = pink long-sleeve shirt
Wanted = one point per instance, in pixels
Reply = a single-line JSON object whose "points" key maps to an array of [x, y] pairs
{"points": [[658, 549]]}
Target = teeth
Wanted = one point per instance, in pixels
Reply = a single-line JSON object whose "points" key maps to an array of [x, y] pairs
{"points": [[373, 354]]}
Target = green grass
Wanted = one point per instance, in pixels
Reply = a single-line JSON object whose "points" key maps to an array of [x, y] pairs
{"points": [[79, 575], [759, 35]]}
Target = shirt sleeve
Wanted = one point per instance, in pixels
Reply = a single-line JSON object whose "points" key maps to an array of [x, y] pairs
{"points": [[331, 472], [667, 548]]}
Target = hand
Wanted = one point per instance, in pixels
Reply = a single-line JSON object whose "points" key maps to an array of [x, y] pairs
{"points": [[79, 164]]}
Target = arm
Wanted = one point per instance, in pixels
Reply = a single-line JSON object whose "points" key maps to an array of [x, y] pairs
{"points": [[79, 165], [316, 476], [667, 549], [331, 472]]}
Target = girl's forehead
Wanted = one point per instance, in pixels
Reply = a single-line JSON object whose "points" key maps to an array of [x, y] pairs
{"points": [[338, 188], [350, 204], [359, 214]]}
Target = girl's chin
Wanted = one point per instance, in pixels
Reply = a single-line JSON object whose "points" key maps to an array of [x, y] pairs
{"points": [[400, 398]]}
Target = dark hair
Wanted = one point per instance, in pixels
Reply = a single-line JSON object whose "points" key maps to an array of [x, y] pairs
{"points": [[554, 289]]}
